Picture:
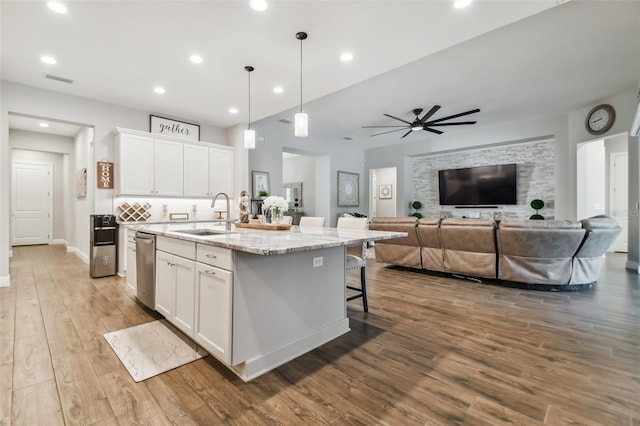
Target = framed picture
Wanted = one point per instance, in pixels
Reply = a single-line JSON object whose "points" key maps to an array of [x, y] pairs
{"points": [[384, 192], [81, 183], [260, 184], [180, 129], [348, 184]]}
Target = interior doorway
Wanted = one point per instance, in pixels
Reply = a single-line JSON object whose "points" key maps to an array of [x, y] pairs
{"points": [[602, 182], [31, 203], [383, 193]]}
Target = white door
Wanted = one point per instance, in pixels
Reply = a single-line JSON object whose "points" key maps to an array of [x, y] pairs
{"points": [[619, 204], [31, 203]]}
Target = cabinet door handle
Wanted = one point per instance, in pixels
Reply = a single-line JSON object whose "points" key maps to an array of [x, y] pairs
{"points": [[211, 256], [207, 271]]}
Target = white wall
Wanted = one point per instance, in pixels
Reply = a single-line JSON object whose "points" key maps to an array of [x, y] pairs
{"points": [[591, 179], [79, 243], [103, 117]]}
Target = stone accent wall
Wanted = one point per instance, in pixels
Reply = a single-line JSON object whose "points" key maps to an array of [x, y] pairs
{"points": [[536, 172]]}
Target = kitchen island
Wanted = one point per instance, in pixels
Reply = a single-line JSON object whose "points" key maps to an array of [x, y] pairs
{"points": [[254, 299]]}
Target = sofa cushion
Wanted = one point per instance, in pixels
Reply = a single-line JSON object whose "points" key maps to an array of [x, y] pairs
{"points": [[540, 224]]}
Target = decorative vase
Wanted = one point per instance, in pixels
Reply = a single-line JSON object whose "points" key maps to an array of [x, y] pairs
{"points": [[276, 216]]}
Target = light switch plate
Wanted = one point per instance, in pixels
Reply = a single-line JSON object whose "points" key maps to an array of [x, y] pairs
{"points": [[318, 261]]}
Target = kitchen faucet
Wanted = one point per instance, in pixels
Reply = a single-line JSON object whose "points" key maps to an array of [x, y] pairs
{"points": [[213, 201]]}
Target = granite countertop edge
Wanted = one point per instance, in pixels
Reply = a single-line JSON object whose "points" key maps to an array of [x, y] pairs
{"points": [[267, 242]]}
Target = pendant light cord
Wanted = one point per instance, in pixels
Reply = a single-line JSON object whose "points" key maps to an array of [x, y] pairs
{"points": [[301, 75], [249, 74]]}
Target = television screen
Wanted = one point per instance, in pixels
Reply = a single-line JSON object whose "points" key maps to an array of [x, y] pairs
{"points": [[475, 186]]}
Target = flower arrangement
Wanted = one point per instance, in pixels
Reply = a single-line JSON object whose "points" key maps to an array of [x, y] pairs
{"points": [[277, 204]]}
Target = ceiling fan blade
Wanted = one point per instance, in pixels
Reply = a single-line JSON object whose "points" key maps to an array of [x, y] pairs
{"points": [[396, 118], [372, 127], [432, 130], [428, 115], [406, 134], [473, 111], [457, 123], [390, 131]]}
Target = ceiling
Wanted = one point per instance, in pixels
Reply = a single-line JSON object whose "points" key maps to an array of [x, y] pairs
{"points": [[511, 59]]}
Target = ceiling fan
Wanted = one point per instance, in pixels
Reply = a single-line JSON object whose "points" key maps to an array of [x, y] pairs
{"points": [[424, 123]]}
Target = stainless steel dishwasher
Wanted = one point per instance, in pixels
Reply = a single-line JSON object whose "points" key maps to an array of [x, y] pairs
{"points": [[146, 268]]}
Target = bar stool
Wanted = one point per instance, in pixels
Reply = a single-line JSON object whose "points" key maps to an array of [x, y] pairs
{"points": [[356, 257], [312, 222]]}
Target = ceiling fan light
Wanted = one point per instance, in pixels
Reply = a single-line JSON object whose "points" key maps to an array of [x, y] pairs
{"points": [[416, 127], [301, 125], [249, 139]]}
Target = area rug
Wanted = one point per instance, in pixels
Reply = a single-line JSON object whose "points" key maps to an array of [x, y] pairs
{"points": [[149, 349]]}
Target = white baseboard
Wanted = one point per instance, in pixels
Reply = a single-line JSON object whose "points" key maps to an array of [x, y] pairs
{"points": [[633, 265], [78, 253], [58, 241], [5, 281], [11, 253]]}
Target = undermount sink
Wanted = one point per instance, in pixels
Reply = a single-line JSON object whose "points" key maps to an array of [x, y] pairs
{"points": [[202, 232]]}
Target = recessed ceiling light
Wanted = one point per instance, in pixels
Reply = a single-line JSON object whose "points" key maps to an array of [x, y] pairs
{"points": [[278, 89], [258, 5], [48, 59], [196, 59], [159, 90], [57, 7], [43, 125], [459, 4], [346, 57], [233, 110]]}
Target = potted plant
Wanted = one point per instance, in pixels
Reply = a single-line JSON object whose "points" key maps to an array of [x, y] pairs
{"points": [[263, 193], [536, 205], [416, 205], [254, 218]]}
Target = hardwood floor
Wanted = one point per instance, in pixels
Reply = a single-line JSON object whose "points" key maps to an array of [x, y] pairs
{"points": [[431, 350]]}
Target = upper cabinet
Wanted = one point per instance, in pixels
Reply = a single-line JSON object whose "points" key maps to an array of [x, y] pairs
{"points": [[134, 157], [168, 166], [160, 166]]}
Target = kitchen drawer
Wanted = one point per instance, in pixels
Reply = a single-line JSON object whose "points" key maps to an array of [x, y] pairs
{"points": [[178, 247], [215, 256]]}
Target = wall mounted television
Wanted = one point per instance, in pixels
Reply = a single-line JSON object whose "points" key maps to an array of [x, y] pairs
{"points": [[478, 186]]}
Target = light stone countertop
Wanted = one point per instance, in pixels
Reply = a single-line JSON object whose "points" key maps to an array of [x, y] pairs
{"points": [[266, 242]]}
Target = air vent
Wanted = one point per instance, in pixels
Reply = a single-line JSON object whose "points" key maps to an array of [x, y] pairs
{"points": [[55, 77], [285, 121]]}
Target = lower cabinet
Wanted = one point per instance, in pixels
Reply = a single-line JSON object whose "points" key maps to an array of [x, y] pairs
{"points": [[131, 260], [214, 292], [175, 290]]}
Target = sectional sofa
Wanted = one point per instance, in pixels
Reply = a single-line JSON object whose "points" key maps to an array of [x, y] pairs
{"points": [[551, 254]]}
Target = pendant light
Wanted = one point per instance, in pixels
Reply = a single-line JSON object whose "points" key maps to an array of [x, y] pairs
{"points": [[301, 124], [249, 134]]}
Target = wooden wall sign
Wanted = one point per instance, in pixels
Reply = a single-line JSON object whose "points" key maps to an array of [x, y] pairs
{"points": [[105, 175]]}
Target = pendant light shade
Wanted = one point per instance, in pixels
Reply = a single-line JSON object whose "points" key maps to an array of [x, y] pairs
{"points": [[301, 125], [249, 134]]}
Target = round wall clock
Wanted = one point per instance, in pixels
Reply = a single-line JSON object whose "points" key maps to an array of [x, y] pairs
{"points": [[600, 119]]}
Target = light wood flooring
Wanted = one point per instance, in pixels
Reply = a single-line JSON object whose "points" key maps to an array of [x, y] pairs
{"points": [[431, 350]]}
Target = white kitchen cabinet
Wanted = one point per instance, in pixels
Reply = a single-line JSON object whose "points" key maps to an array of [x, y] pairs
{"points": [[168, 167], [131, 260], [175, 290], [134, 157], [220, 171], [196, 171], [214, 292], [165, 284]]}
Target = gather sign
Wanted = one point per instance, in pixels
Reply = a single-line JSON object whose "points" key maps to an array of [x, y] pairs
{"points": [[168, 127]]}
